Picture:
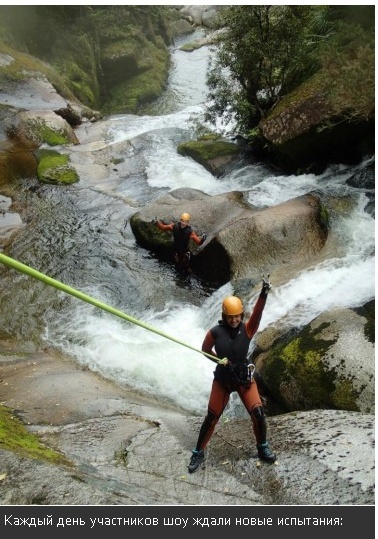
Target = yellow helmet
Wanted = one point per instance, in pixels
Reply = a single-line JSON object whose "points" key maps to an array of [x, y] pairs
{"points": [[185, 217], [232, 306]]}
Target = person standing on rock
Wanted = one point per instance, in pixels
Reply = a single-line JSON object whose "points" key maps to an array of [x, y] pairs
{"points": [[230, 340], [182, 233]]}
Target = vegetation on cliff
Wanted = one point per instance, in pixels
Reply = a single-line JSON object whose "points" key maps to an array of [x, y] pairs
{"points": [[266, 52], [112, 58], [298, 80]]}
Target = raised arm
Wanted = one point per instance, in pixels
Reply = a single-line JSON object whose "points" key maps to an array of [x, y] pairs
{"points": [[254, 320]]}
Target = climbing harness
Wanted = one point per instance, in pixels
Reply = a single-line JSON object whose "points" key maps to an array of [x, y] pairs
{"points": [[23, 268]]}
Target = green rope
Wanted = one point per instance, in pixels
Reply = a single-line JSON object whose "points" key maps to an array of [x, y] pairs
{"points": [[23, 268]]}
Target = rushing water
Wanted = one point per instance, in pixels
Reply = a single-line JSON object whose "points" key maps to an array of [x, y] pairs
{"points": [[88, 245]]}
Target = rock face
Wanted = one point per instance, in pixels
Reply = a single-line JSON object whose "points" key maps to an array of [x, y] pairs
{"points": [[330, 363], [293, 121], [28, 94], [114, 59], [303, 134]]}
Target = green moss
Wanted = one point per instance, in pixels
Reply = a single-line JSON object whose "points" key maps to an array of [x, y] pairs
{"points": [[148, 235], [344, 396], [49, 136], [324, 216], [80, 83], [53, 168], [299, 361], [121, 457], [313, 86], [209, 136], [129, 47], [75, 59], [189, 47], [84, 93], [117, 160], [129, 95], [15, 437], [207, 149]]}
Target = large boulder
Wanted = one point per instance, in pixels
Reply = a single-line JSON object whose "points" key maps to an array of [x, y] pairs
{"points": [[328, 364], [242, 242], [42, 126], [304, 133], [217, 156]]}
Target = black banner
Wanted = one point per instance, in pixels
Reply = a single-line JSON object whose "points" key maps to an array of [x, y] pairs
{"points": [[328, 522]]}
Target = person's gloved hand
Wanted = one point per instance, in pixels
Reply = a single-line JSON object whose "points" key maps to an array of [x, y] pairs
{"points": [[266, 286], [203, 238], [223, 362]]}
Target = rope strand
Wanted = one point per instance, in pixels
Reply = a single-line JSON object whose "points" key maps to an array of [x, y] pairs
{"points": [[23, 268]]}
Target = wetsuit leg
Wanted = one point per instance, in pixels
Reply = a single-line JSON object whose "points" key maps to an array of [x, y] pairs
{"points": [[182, 263], [259, 424], [218, 400], [251, 399]]}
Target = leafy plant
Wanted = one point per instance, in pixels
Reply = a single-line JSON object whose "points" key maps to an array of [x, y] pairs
{"points": [[265, 52]]}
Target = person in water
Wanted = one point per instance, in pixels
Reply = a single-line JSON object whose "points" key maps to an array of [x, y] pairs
{"points": [[229, 342], [182, 233]]}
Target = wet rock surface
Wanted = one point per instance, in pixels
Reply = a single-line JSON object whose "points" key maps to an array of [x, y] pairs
{"points": [[129, 449]]}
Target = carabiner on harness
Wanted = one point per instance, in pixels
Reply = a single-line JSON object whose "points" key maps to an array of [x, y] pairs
{"points": [[251, 371]]}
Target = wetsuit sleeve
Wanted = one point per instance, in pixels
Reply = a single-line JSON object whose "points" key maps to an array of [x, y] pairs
{"points": [[208, 343], [162, 226], [193, 236], [254, 320]]}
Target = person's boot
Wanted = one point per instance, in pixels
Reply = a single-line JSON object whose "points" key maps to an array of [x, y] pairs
{"points": [[196, 460], [265, 453]]}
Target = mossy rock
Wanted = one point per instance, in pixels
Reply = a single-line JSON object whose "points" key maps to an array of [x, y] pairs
{"points": [[44, 126], [214, 155], [15, 437], [295, 373], [54, 168]]}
